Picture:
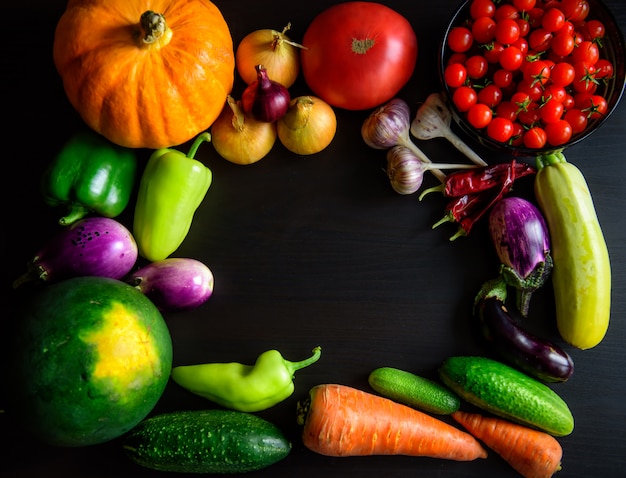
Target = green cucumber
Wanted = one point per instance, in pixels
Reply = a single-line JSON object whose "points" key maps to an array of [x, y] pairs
{"points": [[508, 393], [206, 441], [414, 391]]}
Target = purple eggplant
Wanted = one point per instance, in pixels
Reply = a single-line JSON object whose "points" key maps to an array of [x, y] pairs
{"points": [[174, 283], [95, 246], [522, 241], [504, 336]]}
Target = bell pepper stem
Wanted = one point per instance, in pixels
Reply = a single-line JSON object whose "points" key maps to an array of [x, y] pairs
{"points": [[294, 366], [201, 138], [75, 213]]}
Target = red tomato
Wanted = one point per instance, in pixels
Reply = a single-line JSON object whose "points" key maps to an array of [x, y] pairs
{"points": [[537, 72], [455, 75], [562, 43], [551, 111], [464, 97], [491, 95], [553, 20], [476, 66], [508, 110], [558, 133], [479, 115], [511, 58], [358, 55], [483, 29], [482, 8], [577, 119], [500, 129], [562, 74], [535, 137], [507, 31], [460, 39], [587, 51], [604, 68], [524, 5]]}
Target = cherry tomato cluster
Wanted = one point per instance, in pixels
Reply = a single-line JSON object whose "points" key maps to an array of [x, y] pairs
{"points": [[528, 72]]}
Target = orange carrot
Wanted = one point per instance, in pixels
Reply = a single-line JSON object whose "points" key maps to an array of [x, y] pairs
{"points": [[533, 453], [344, 421]]}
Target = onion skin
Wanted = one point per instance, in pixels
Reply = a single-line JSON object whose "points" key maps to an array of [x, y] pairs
{"points": [[174, 283], [272, 49], [239, 138], [535, 356], [308, 127], [522, 241], [95, 246]]}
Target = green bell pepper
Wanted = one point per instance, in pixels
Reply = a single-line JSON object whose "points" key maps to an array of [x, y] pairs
{"points": [[90, 175], [172, 187], [246, 388]]}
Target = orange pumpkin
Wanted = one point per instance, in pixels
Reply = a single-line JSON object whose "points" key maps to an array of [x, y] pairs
{"points": [[145, 73]]}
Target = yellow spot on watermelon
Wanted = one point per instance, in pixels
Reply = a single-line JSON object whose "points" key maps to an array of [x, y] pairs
{"points": [[125, 356]]}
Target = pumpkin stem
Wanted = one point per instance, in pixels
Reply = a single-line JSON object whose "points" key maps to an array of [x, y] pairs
{"points": [[155, 29]]}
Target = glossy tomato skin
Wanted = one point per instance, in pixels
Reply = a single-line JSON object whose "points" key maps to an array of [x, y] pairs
{"points": [[342, 75]]}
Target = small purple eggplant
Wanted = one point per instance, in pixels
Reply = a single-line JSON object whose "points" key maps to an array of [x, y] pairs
{"points": [[95, 246], [174, 283], [522, 241], [503, 335]]}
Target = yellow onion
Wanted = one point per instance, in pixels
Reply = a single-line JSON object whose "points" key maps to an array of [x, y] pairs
{"points": [[272, 49], [240, 138], [308, 127]]}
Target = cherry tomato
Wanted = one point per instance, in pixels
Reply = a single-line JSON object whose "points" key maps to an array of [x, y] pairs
{"points": [[506, 10], [493, 52], [455, 75], [577, 120], [562, 43], [584, 78], [534, 17], [558, 133], [507, 31], [511, 58], [479, 115], [530, 116], [502, 78], [490, 95], [484, 29], [556, 92], [524, 26], [551, 111], [457, 58], [518, 135], [360, 81], [464, 97], [524, 5], [594, 106], [500, 129], [562, 74], [553, 20], [604, 69], [508, 110], [460, 39], [572, 9], [532, 88], [539, 39], [482, 8], [476, 66], [587, 51], [535, 137], [537, 72], [593, 30]]}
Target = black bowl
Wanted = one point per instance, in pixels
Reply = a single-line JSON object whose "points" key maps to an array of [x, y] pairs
{"points": [[613, 49]]}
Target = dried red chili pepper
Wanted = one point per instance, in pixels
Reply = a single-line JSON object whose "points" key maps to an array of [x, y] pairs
{"points": [[474, 180], [469, 208]]}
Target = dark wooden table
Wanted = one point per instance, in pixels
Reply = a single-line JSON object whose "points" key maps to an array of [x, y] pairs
{"points": [[318, 251]]}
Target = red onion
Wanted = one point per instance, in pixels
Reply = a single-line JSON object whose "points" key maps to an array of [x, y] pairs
{"points": [[265, 100]]}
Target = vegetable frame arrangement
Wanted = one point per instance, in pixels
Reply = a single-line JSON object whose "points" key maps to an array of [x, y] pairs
{"points": [[560, 239]]}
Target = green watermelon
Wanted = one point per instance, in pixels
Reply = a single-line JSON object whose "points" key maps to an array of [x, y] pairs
{"points": [[91, 358]]}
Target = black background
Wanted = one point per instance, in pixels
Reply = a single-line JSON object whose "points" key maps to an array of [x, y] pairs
{"points": [[313, 251]]}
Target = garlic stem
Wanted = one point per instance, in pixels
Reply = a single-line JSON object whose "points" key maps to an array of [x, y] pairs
{"points": [[433, 120]]}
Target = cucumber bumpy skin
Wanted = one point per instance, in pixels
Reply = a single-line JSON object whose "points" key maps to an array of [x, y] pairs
{"points": [[508, 393], [414, 391], [206, 441]]}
